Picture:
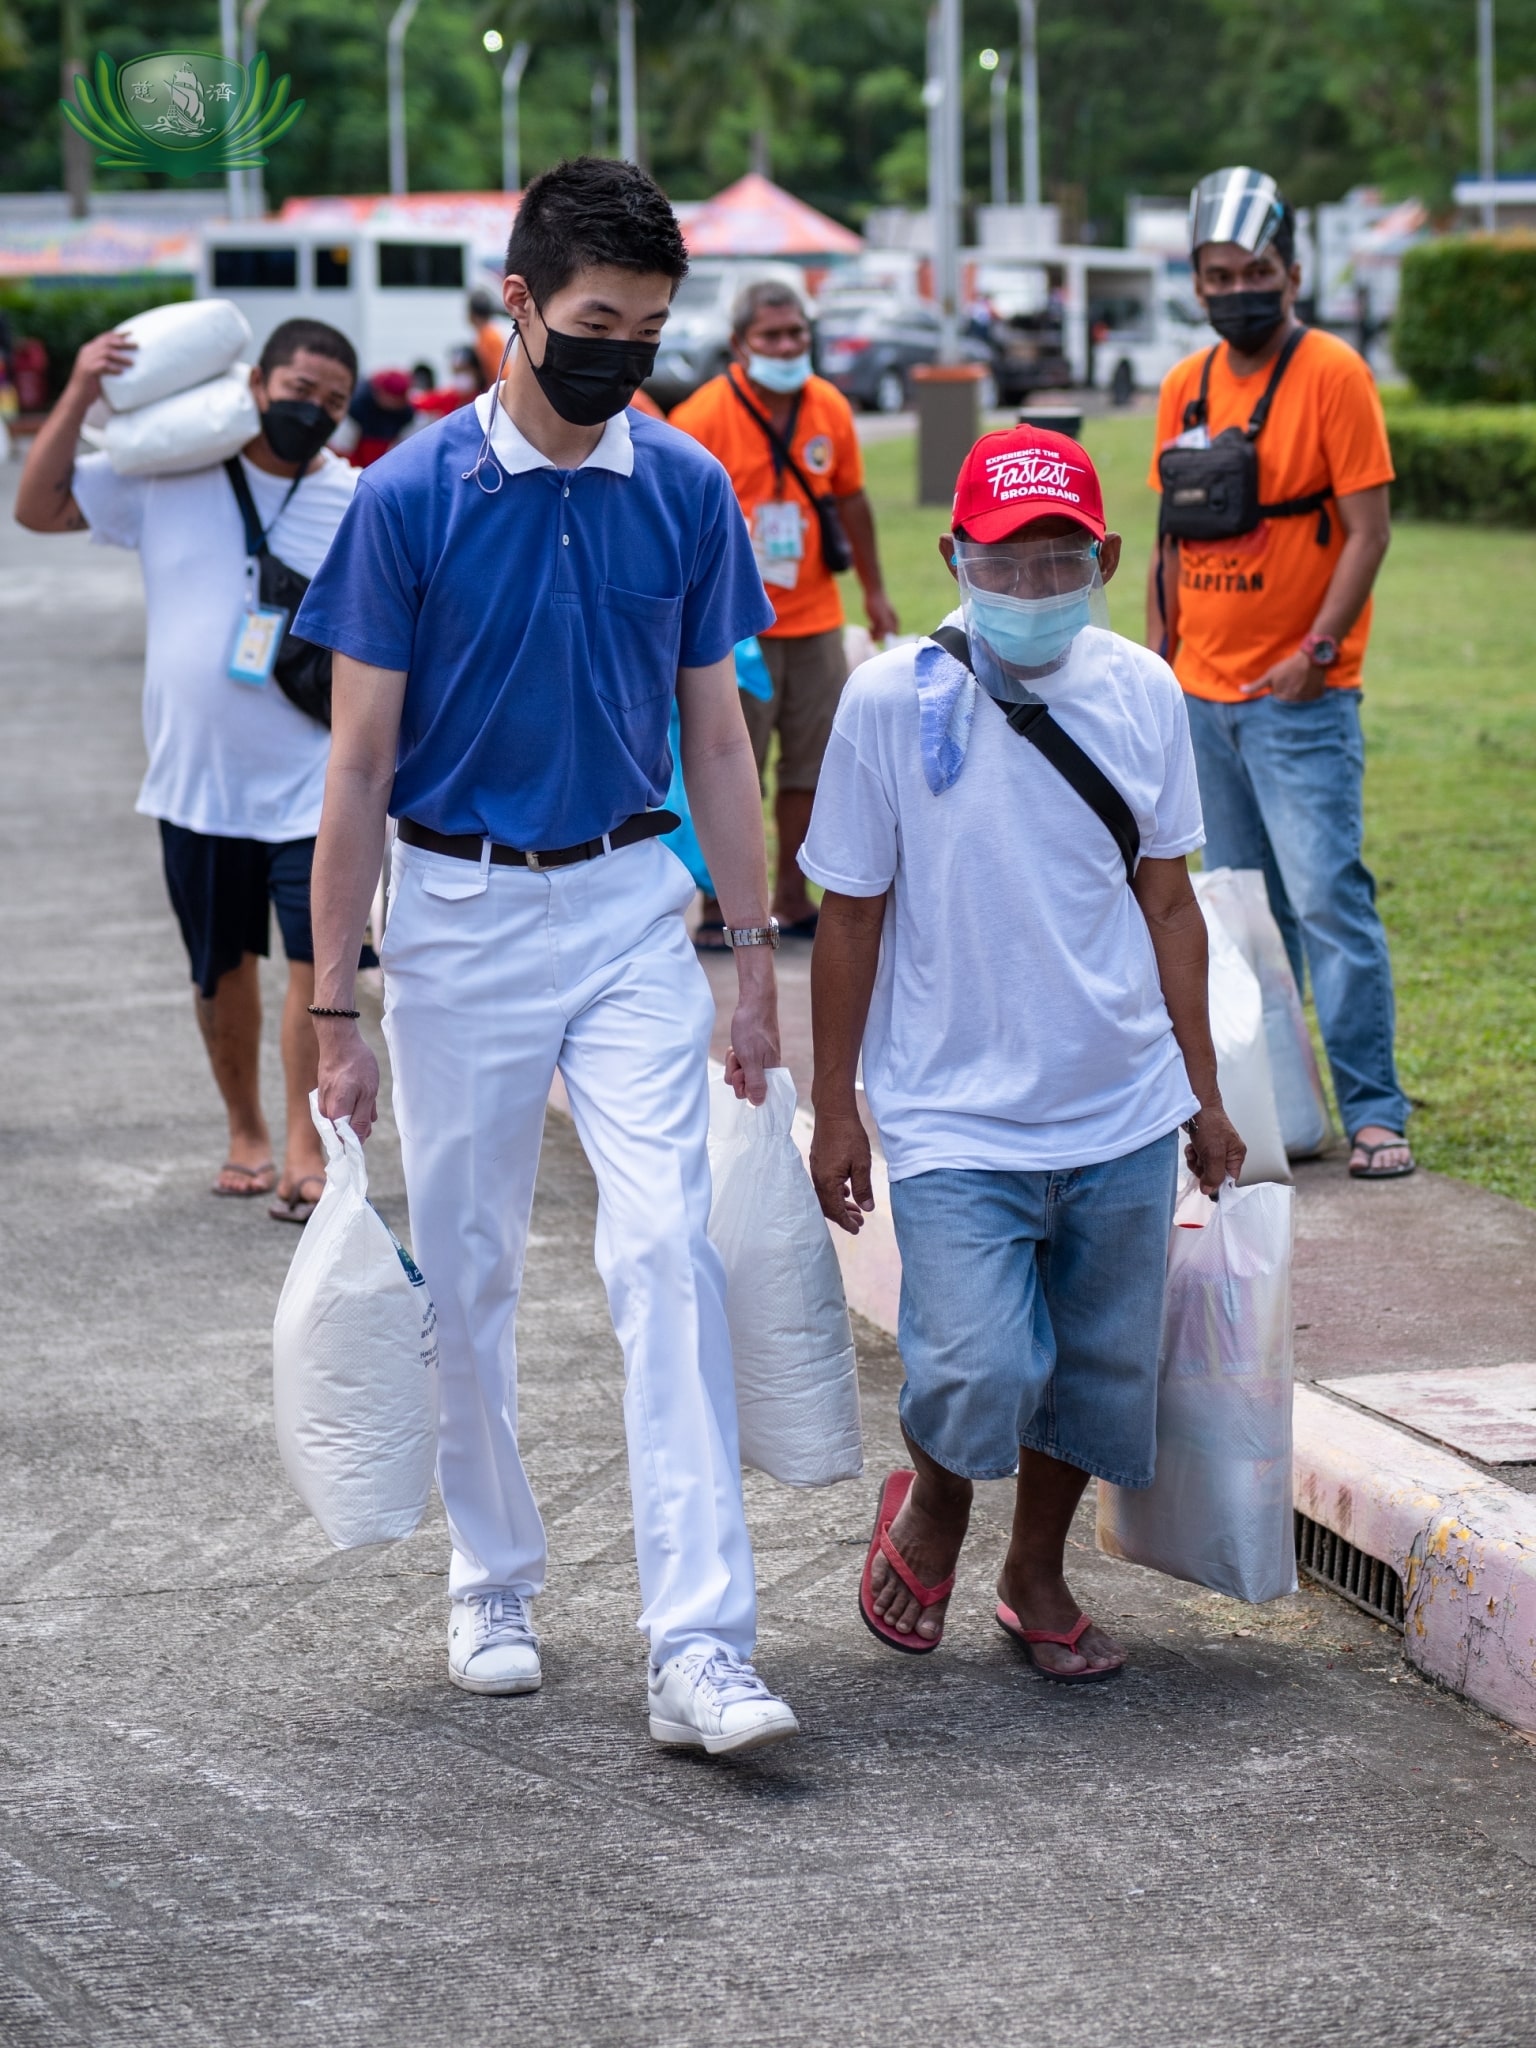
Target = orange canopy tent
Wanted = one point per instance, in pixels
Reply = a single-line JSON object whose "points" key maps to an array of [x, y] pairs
{"points": [[755, 217]]}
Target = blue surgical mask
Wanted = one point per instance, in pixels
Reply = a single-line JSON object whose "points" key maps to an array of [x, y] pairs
{"points": [[784, 374], [1028, 632]]}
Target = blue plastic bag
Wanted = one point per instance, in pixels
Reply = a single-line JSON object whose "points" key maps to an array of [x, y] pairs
{"points": [[751, 676]]}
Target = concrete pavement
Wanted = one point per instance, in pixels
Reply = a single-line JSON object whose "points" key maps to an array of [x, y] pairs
{"points": [[239, 1804]]}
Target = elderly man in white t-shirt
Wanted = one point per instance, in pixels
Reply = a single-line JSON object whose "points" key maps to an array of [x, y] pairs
{"points": [[236, 771], [1009, 935]]}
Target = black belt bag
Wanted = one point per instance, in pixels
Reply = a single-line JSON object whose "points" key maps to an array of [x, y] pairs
{"points": [[302, 670], [1212, 493]]}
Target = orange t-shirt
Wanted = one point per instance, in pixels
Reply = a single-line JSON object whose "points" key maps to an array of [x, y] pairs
{"points": [[1247, 603], [826, 446]]}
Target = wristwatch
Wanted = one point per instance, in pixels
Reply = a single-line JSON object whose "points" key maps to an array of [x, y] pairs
{"points": [[754, 934], [1321, 649]]}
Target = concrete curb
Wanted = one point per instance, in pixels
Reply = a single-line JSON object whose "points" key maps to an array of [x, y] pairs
{"points": [[1463, 1544]]}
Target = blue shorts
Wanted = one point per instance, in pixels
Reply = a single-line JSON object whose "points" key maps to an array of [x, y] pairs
{"points": [[1031, 1312], [221, 891]]}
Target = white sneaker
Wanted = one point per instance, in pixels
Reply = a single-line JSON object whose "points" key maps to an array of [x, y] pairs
{"points": [[712, 1700], [491, 1644]]}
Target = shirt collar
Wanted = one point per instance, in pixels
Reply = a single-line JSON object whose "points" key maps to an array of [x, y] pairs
{"points": [[516, 453]]}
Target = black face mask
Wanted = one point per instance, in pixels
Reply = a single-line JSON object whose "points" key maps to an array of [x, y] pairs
{"points": [[1245, 319], [588, 379], [296, 429]]}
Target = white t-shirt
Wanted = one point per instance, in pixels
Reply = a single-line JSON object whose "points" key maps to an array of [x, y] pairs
{"points": [[1017, 1021], [224, 758]]}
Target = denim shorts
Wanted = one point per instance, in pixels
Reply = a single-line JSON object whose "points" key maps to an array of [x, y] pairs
{"points": [[1031, 1311]]}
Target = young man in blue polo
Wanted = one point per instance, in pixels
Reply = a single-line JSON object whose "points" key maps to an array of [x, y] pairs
{"points": [[515, 600]]}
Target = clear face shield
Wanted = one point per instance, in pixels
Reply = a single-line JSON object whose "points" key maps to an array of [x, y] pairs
{"points": [[1025, 602]]}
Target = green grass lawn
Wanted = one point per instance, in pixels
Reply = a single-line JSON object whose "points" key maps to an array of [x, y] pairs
{"points": [[1450, 717]]}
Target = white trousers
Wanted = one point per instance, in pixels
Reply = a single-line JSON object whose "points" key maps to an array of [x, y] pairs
{"points": [[495, 977]]}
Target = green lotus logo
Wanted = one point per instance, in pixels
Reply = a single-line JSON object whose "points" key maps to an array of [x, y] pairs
{"points": [[181, 113]]}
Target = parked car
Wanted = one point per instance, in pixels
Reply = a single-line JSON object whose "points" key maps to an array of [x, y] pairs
{"points": [[696, 341], [1027, 355], [1136, 345], [868, 343]]}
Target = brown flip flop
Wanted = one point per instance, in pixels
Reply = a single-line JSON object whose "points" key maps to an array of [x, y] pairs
{"points": [[297, 1207], [253, 1174]]}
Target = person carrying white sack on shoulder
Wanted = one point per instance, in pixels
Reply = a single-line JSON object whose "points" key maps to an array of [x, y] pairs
{"points": [[1009, 934], [236, 770], [515, 600]]}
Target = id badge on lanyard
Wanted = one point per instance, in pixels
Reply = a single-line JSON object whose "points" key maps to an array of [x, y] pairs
{"points": [[778, 541], [258, 637]]}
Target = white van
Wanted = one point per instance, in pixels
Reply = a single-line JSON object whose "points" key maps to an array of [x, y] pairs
{"points": [[398, 294], [1157, 333]]}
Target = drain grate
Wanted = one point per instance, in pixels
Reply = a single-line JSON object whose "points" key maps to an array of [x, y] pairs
{"points": [[1338, 1565]]}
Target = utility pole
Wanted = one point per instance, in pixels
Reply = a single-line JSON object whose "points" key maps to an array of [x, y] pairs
{"points": [[1000, 79], [229, 40], [511, 118], [77, 151], [1487, 153], [254, 185], [394, 45], [629, 120], [1029, 103], [946, 228]]}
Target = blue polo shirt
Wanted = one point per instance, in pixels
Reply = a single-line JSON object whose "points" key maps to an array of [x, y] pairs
{"points": [[541, 628]]}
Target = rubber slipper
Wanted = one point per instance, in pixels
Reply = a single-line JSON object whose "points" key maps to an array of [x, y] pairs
{"points": [[892, 1496], [252, 1174], [1370, 1171], [802, 928], [297, 1207], [1010, 1624], [710, 938]]}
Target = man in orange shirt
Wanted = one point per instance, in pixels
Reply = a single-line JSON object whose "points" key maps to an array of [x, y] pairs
{"points": [[787, 441], [1260, 595]]}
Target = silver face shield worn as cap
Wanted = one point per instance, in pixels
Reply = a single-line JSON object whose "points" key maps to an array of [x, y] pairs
{"points": [[1235, 205]]}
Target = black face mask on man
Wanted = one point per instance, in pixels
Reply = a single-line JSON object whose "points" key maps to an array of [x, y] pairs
{"points": [[587, 378], [1246, 319], [296, 429]]}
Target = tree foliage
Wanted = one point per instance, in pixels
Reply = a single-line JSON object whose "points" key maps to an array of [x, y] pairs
{"points": [[1137, 95]]}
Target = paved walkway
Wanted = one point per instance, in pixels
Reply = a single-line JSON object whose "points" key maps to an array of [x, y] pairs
{"points": [[240, 1805]]}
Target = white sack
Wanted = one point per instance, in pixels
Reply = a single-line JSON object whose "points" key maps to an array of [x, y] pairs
{"points": [[1242, 1055], [354, 1362], [1218, 1511], [192, 430], [1241, 900], [178, 346], [797, 1392]]}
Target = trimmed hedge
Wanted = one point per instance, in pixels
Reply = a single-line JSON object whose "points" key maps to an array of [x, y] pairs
{"points": [[1474, 462], [63, 317], [1465, 330]]}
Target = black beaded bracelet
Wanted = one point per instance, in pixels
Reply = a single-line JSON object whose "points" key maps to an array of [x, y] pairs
{"points": [[315, 1010]]}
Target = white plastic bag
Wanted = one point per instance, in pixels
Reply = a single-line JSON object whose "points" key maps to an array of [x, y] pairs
{"points": [[1241, 901], [797, 1391], [192, 430], [1242, 1055], [1218, 1510], [177, 346], [354, 1362]]}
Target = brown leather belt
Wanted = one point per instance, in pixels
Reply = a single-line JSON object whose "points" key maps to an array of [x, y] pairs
{"points": [[465, 846]]}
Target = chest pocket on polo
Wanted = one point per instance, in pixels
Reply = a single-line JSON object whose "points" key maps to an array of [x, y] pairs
{"points": [[640, 638]]}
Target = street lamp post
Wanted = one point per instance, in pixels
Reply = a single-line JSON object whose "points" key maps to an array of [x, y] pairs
{"points": [[1029, 103], [1001, 68], [229, 41], [629, 118], [511, 118], [394, 45], [1487, 153], [254, 188]]}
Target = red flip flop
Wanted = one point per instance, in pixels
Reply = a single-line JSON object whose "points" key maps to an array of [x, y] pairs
{"points": [[1010, 1624], [892, 1495]]}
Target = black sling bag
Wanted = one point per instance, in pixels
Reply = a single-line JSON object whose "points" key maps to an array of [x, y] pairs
{"points": [[836, 548], [1212, 493], [302, 670], [1034, 723]]}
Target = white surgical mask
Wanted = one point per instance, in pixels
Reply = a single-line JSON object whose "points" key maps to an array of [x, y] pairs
{"points": [[784, 374]]}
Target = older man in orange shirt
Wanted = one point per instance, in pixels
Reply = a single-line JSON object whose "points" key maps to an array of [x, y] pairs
{"points": [[788, 442]]}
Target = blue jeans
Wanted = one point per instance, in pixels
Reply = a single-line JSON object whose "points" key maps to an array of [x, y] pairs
{"points": [[1281, 787], [1031, 1313]]}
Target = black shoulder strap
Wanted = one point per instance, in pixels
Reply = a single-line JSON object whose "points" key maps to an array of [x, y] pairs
{"points": [[782, 452], [255, 535], [1197, 409], [1034, 723], [1260, 414]]}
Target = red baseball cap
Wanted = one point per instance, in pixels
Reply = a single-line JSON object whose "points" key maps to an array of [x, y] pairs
{"points": [[1025, 473]]}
